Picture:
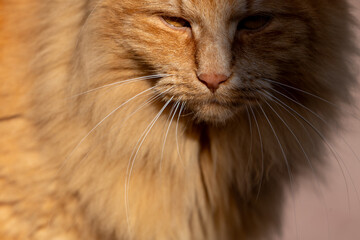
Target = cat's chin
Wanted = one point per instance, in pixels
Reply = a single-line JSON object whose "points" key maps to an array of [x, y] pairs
{"points": [[215, 113]]}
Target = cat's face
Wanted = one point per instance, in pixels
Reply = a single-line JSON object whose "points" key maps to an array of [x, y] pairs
{"points": [[218, 52]]}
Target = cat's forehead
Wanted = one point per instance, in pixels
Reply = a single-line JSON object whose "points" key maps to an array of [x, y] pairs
{"points": [[214, 4], [224, 8], [206, 5], [207, 8]]}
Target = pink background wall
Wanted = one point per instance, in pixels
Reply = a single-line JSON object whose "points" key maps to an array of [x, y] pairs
{"points": [[327, 211]]}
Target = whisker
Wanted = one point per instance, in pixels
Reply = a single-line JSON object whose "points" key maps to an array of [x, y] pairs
{"points": [[321, 118], [296, 138], [106, 117], [119, 83], [295, 117], [299, 90], [188, 114], [176, 133], [149, 101], [172, 115], [251, 138], [133, 157], [307, 159], [278, 141], [86, 21], [302, 105], [316, 184], [287, 166], [187, 122], [325, 122], [294, 135], [283, 105], [310, 94], [262, 153]]}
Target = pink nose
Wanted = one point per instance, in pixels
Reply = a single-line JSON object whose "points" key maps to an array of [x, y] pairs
{"points": [[212, 80]]}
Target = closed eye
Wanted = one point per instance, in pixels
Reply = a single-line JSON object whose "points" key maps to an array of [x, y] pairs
{"points": [[176, 22], [255, 22]]}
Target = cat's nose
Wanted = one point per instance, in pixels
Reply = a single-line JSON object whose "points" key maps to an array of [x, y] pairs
{"points": [[212, 80]]}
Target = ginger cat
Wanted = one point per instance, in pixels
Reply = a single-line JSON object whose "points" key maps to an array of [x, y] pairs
{"points": [[164, 119]]}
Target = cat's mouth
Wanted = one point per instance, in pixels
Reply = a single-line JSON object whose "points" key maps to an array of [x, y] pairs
{"points": [[219, 111], [215, 107]]}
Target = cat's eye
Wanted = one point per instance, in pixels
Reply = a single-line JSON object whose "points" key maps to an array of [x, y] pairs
{"points": [[254, 22], [176, 22]]}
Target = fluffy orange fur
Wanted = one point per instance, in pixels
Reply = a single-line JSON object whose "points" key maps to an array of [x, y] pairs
{"points": [[167, 157]]}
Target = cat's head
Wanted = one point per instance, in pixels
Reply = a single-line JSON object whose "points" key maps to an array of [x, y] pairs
{"points": [[223, 55]]}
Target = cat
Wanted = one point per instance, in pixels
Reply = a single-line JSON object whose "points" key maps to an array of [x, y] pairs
{"points": [[163, 119]]}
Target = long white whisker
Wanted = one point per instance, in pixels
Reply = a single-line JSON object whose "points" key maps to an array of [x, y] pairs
{"points": [[284, 105], [176, 133], [262, 152], [296, 138], [187, 122], [306, 156], [296, 118], [106, 117], [278, 141], [251, 138], [322, 119], [302, 105], [172, 114], [133, 157], [119, 83], [149, 101], [294, 135], [300, 90], [287, 166], [87, 19]]}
